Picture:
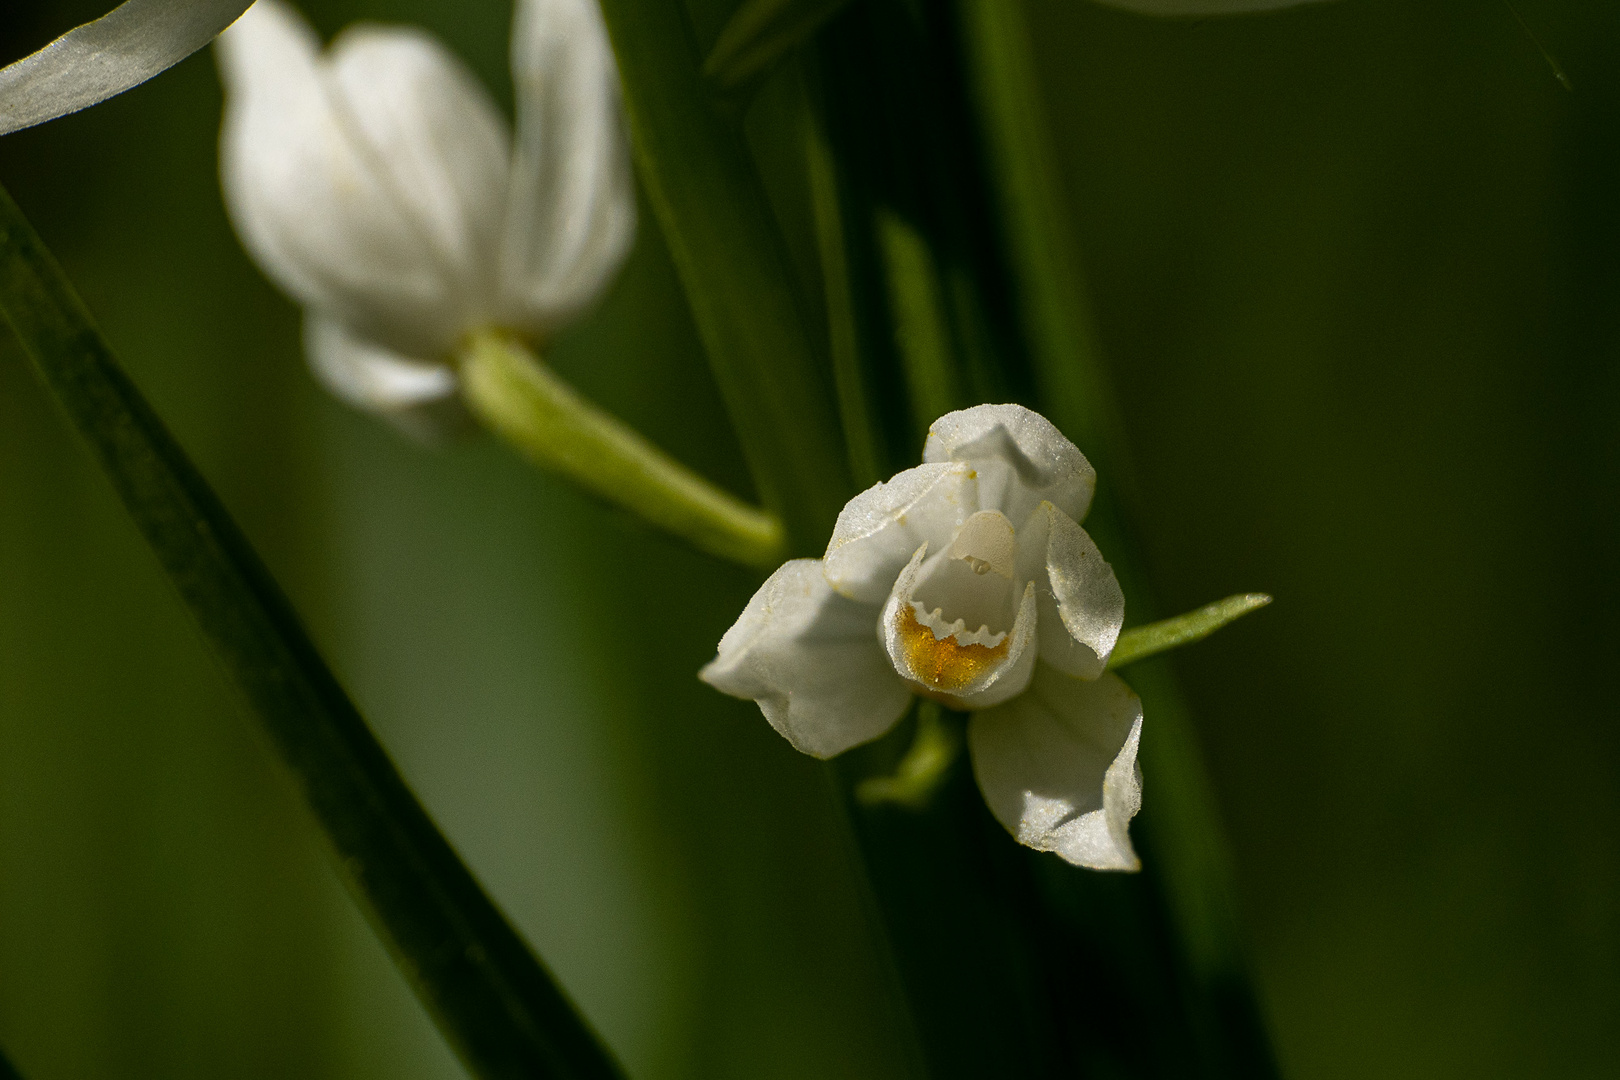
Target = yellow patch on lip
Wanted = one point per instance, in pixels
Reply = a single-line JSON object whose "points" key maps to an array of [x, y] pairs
{"points": [[942, 663]]}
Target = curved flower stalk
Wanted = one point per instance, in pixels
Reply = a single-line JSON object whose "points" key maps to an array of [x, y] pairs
{"points": [[377, 183], [969, 581], [122, 49]]}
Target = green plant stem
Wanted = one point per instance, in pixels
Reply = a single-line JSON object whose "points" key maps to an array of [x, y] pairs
{"points": [[1182, 840], [491, 997], [732, 263], [918, 776], [523, 400], [1141, 642]]}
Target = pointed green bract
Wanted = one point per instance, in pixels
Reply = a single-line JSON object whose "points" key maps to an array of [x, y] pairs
{"points": [[122, 49], [1141, 642], [494, 1001]]}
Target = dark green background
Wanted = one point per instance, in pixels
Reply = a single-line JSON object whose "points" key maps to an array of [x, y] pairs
{"points": [[1356, 270]]}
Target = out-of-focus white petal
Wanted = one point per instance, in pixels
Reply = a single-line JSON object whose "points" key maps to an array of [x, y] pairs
{"points": [[1021, 458], [93, 62], [961, 665], [878, 529], [425, 117], [1057, 766], [1202, 7], [571, 211], [339, 198], [367, 375], [812, 661], [1082, 606]]}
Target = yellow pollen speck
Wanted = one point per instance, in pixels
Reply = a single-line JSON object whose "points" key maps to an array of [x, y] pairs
{"points": [[943, 663]]}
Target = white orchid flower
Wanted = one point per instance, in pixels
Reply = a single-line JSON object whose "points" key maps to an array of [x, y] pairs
{"points": [[377, 183], [967, 580]]}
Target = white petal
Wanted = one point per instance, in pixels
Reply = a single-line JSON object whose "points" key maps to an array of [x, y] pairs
{"points": [[811, 659], [1057, 766], [879, 529], [965, 674], [368, 184], [1082, 606], [571, 214], [1020, 456], [1201, 7], [123, 48], [369, 376]]}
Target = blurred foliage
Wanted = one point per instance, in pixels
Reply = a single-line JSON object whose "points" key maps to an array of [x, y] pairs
{"points": [[1356, 270]]}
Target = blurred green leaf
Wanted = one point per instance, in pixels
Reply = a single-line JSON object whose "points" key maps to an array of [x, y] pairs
{"points": [[760, 35], [1141, 642], [732, 263], [922, 330], [488, 992]]}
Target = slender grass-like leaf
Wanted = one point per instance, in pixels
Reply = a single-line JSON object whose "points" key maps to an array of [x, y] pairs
{"points": [[760, 35], [843, 332], [122, 49], [1141, 642], [489, 994], [922, 329], [1187, 847], [731, 260]]}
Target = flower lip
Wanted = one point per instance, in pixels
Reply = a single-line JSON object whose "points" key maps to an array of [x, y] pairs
{"points": [[927, 630]]}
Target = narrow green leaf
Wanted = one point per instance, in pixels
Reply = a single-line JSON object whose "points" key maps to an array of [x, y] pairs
{"points": [[1141, 642], [843, 332], [760, 35], [489, 994], [122, 49], [732, 263], [1181, 824], [921, 325]]}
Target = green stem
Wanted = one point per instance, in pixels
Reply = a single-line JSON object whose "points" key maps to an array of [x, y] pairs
{"points": [[921, 328], [920, 773], [707, 196], [1141, 642], [491, 997], [520, 398]]}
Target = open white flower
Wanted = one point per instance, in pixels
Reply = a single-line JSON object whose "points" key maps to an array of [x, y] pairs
{"points": [[377, 183], [967, 580]]}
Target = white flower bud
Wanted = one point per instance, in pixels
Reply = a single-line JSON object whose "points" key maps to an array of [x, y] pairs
{"points": [[376, 182]]}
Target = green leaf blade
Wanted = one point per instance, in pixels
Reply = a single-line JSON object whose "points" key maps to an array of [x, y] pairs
{"points": [[496, 1004]]}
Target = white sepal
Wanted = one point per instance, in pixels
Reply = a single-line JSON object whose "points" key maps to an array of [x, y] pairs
{"points": [[571, 209], [1057, 767], [812, 661], [1021, 458], [120, 50], [879, 529], [1082, 606]]}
